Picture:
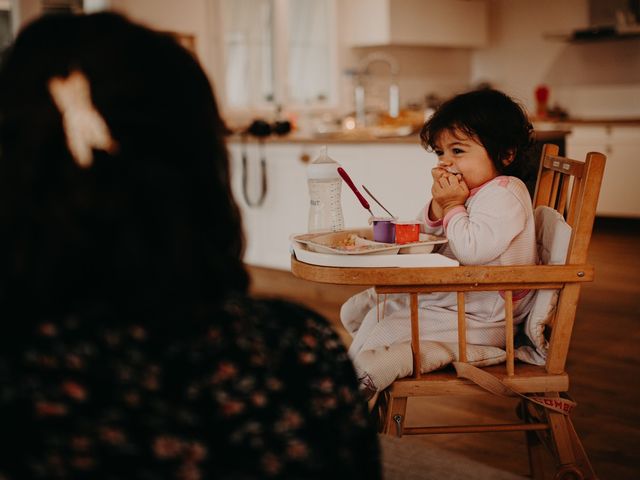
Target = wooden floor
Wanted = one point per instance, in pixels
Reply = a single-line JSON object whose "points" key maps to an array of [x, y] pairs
{"points": [[603, 362]]}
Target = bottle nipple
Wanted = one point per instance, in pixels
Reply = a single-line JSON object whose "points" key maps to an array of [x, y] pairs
{"points": [[323, 157], [323, 166]]}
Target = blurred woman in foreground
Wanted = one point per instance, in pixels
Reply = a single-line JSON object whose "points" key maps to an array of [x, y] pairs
{"points": [[130, 347]]}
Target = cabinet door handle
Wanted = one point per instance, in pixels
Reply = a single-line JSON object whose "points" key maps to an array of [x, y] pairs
{"points": [[245, 175], [305, 157]]}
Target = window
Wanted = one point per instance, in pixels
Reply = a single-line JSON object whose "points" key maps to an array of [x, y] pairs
{"points": [[248, 52], [278, 52], [5, 26], [61, 6], [309, 63]]}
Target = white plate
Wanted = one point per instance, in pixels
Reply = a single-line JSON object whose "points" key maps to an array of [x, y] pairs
{"points": [[424, 247], [417, 260], [361, 243]]}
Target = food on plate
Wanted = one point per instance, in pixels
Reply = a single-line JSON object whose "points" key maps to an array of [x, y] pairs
{"points": [[359, 241], [346, 242]]}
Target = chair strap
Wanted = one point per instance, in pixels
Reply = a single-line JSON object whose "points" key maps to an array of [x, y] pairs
{"points": [[497, 387]]}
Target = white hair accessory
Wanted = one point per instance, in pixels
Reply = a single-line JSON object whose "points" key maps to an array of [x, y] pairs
{"points": [[84, 127]]}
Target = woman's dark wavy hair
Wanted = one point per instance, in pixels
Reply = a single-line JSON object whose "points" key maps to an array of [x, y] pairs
{"points": [[495, 120], [151, 227]]}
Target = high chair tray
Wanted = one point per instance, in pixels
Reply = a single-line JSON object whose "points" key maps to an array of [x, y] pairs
{"points": [[302, 254], [359, 241]]}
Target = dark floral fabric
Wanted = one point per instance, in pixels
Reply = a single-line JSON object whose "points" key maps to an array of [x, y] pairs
{"points": [[252, 389]]}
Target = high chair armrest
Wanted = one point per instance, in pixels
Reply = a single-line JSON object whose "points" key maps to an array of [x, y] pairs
{"points": [[440, 279]]}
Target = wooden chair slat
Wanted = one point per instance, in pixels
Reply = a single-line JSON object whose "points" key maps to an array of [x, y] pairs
{"points": [[482, 287], [542, 194], [415, 336], [575, 193], [555, 187], [462, 329], [563, 165], [508, 317], [562, 198], [530, 379], [585, 212], [444, 276], [495, 427]]}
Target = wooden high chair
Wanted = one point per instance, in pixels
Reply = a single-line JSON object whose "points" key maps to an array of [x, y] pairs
{"points": [[571, 187]]}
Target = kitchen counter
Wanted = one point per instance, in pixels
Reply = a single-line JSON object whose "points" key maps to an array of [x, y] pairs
{"points": [[556, 123], [357, 137], [397, 171]]}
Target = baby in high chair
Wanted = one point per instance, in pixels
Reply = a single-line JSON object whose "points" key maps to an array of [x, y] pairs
{"points": [[482, 206]]}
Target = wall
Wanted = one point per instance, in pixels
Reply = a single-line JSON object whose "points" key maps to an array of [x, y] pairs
{"points": [[591, 80], [191, 17], [23, 11], [422, 71]]}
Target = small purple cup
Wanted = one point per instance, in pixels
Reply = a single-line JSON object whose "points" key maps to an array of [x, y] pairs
{"points": [[384, 230]]}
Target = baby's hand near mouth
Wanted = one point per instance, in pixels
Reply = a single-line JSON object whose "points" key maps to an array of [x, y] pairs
{"points": [[449, 191], [438, 172]]}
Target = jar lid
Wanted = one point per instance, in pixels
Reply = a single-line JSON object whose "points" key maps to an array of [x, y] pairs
{"points": [[408, 222], [381, 219]]}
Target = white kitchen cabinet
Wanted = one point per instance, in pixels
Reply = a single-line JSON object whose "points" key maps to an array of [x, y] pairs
{"points": [[619, 195], [438, 23], [397, 174]]}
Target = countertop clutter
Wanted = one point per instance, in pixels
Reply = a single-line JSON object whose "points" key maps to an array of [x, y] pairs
{"points": [[396, 168], [547, 129], [569, 121], [366, 136]]}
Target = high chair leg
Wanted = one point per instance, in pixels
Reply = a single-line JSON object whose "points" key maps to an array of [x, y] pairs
{"points": [[379, 411], [396, 413], [535, 451], [561, 439], [581, 455], [535, 447], [573, 462]]}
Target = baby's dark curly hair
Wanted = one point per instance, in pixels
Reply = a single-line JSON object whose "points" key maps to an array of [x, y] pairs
{"points": [[494, 120]]}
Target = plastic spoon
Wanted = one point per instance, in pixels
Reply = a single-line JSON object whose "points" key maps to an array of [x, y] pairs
{"points": [[348, 181], [376, 200]]}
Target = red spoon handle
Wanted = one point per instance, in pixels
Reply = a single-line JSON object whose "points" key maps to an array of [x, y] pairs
{"points": [[348, 181]]}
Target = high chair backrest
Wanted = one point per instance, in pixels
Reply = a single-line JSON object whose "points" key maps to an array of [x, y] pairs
{"points": [[572, 188]]}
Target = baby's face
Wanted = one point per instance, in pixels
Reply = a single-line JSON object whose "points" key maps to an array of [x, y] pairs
{"points": [[459, 153]]}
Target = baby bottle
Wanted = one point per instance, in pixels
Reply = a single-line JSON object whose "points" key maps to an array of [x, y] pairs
{"points": [[325, 207]]}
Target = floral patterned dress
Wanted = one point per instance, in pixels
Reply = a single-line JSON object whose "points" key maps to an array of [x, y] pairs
{"points": [[252, 389]]}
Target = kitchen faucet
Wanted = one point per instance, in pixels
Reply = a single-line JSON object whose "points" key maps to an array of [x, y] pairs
{"points": [[394, 92]]}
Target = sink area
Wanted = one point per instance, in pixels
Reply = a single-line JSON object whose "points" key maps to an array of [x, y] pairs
{"points": [[381, 125], [366, 133]]}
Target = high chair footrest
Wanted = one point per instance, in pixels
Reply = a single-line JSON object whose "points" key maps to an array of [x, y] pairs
{"points": [[527, 379], [502, 427]]}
